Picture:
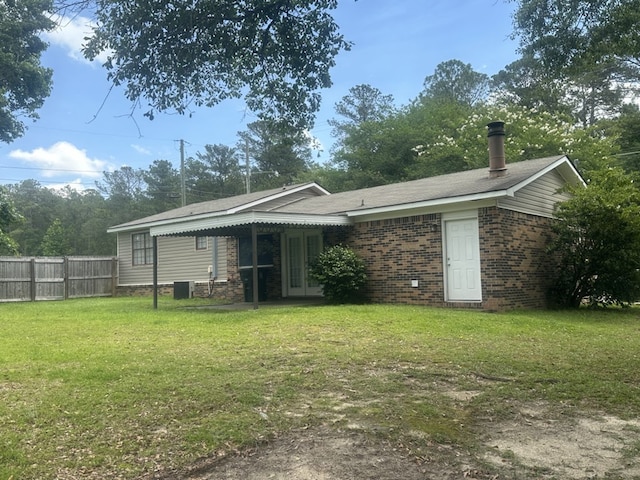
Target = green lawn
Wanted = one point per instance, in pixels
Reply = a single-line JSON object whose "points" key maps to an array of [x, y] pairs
{"points": [[107, 388]]}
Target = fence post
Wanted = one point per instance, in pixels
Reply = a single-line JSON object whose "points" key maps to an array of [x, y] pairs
{"points": [[65, 274], [114, 276], [33, 279]]}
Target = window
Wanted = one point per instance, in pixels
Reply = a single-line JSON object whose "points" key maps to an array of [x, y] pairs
{"points": [[142, 249], [202, 243]]}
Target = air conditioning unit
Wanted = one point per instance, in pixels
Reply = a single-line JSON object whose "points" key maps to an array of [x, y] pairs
{"points": [[182, 290]]}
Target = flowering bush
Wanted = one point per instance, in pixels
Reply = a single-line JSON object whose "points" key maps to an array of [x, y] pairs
{"points": [[530, 134]]}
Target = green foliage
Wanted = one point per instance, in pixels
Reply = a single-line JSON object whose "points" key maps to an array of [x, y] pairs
{"points": [[24, 83], [55, 242], [86, 214], [275, 54], [456, 81], [279, 153], [9, 216], [566, 32], [341, 273], [597, 243], [163, 186], [526, 83], [214, 173], [626, 128], [593, 43], [363, 104], [530, 134]]}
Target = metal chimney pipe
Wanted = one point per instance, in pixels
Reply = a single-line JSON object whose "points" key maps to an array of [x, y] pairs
{"points": [[497, 162]]}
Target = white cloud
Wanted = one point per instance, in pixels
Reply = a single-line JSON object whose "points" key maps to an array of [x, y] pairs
{"points": [[70, 35], [140, 149], [60, 159]]}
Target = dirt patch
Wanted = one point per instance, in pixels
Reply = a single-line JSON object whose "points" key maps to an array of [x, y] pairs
{"points": [[316, 454], [532, 444], [576, 448]]}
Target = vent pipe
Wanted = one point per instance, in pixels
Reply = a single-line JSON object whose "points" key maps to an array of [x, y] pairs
{"points": [[497, 162]]}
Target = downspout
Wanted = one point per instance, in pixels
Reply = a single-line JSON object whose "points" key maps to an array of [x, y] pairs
{"points": [[214, 258]]}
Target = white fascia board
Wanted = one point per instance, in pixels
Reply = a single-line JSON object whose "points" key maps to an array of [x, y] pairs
{"points": [[429, 204], [249, 218], [283, 193]]}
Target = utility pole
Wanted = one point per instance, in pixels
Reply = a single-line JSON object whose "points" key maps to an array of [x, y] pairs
{"points": [[248, 165], [182, 182]]}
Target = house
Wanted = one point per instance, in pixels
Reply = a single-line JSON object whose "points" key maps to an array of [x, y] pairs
{"points": [[473, 239]]}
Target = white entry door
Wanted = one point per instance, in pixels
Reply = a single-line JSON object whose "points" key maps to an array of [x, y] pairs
{"points": [[302, 247], [462, 260]]}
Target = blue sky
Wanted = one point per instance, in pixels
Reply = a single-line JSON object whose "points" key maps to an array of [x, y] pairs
{"points": [[84, 129]]}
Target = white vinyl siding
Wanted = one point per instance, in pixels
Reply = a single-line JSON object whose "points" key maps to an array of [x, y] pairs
{"points": [[539, 197], [178, 260]]}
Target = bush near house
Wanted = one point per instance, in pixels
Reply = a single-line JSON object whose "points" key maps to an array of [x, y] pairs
{"points": [[341, 273], [598, 243]]}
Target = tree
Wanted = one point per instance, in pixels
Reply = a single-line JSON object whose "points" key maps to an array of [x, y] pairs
{"points": [[530, 134], [163, 186], [214, 173], [125, 189], [526, 83], [55, 242], [280, 153], [582, 37], [455, 81], [24, 83], [626, 128], [364, 103], [39, 206], [87, 215], [8, 217], [275, 53], [597, 243]]}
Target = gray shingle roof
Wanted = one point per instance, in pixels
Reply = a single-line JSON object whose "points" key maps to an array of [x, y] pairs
{"points": [[433, 188], [451, 186], [210, 207]]}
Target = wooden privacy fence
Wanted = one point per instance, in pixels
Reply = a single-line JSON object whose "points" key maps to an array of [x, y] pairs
{"points": [[56, 278]]}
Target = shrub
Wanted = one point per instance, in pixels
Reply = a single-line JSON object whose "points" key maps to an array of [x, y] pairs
{"points": [[598, 243], [341, 273]]}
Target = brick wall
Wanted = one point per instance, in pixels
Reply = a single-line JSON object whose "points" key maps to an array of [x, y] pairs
{"points": [[515, 267], [397, 252]]}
